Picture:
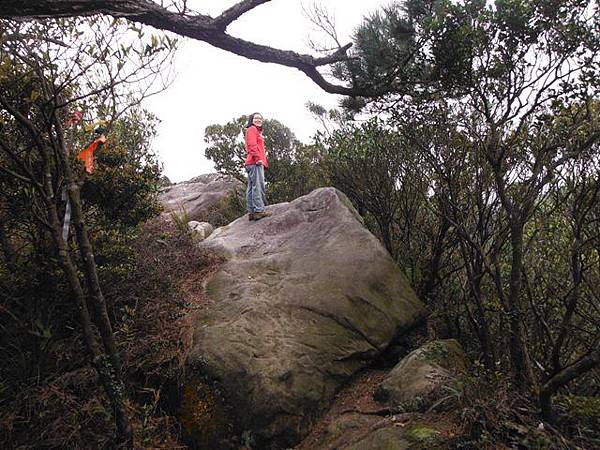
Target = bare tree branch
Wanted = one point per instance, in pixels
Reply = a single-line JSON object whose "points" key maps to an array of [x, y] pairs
{"points": [[196, 26]]}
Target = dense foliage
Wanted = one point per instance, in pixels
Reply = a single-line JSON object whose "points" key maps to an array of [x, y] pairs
{"points": [[483, 178], [58, 82]]}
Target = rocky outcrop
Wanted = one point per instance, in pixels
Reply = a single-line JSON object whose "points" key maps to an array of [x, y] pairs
{"points": [[429, 374], [196, 196], [305, 299]]}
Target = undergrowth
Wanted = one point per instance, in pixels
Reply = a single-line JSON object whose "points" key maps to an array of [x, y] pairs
{"points": [[152, 307], [226, 211], [152, 301], [494, 414]]}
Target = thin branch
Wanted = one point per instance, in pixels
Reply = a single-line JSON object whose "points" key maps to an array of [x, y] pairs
{"points": [[232, 14]]}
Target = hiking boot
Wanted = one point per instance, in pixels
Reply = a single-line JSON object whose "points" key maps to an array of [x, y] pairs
{"points": [[261, 214], [251, 216]]}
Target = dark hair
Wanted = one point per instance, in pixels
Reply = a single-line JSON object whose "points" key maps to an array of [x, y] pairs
{"points": [[250, 119]]}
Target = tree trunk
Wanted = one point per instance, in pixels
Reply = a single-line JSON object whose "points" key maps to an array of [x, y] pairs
{"points": [[577, 276], [87, 254], [386, 235], [10, 257], [51, 157], [211, 30], [112, 383], [519, 355], [487, 348], [109, 378], [474, 267], [91, 274], [563, 377], [437, 252]]}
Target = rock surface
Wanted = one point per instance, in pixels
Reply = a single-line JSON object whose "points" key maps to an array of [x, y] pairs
{"points": [[356, 422], [356, 431], [201, 230], [196, 196], [305, 299], [424, 376], [386, 438]]}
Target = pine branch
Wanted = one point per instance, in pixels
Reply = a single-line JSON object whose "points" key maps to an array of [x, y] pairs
{"points": [[193, 25]]}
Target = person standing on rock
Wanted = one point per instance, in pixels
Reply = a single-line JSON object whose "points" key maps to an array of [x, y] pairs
{"points": [[256, 163]]}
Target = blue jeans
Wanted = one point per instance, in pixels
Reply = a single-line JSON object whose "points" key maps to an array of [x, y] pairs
{"points": [[256, 200]]}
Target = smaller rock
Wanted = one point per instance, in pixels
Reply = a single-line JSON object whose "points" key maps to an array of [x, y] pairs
{"points": [[357, 431], [345, 430], [423, 435], [193, 199], [428, 375], [383, 439], [201, 230]]}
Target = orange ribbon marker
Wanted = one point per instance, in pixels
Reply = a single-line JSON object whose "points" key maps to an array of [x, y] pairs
{"points": [[87, 155]]}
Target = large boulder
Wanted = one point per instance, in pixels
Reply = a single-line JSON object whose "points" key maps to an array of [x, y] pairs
{"points": [[196, 196], [304, 300], [430, 374]]}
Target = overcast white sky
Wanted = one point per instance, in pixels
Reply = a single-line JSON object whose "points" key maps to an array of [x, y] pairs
{"points": [[213, 86]]}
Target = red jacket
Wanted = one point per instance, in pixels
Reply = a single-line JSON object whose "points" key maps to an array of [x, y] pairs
{"points": [[255, 147]]}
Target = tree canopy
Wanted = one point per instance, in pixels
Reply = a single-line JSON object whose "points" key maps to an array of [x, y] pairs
{"points": [[499, 101]]}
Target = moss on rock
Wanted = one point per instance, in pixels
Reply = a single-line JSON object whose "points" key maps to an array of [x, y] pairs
{"points": [[422, 434]]}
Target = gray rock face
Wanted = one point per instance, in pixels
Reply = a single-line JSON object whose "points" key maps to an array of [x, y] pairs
{"points": [[306, 298], [198, 194], [418, 380]]}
